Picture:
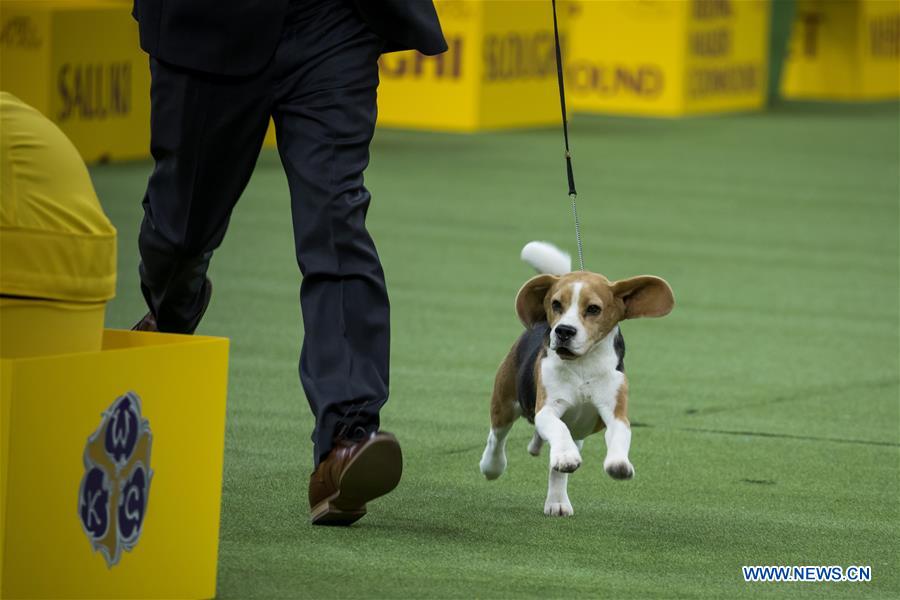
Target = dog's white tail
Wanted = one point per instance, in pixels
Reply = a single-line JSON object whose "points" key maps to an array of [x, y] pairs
{"points": [[547, 258]]}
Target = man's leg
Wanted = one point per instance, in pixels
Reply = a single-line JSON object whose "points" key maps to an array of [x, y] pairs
{"points": [[206, 133], [325, 118]]}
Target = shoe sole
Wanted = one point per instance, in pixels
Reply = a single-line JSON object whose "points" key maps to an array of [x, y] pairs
{"points": [[372, 473]]}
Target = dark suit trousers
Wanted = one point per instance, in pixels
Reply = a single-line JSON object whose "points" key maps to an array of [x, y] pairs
{"points": [[206, 134]]}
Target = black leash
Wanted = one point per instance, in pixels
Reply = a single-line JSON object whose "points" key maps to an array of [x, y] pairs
{"points": [[570, 174]]}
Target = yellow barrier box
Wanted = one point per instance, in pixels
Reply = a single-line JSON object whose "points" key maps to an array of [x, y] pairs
{"points": [[112, 469], [844, 50], [667, 57], [80, 64], [499, 71]]}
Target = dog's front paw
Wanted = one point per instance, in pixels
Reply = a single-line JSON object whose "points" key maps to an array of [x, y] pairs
{"points": [[534, 446], [619, 469], [558, 509], [565, 461]]}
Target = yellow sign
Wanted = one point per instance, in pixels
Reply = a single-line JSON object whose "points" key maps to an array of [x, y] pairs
{"points": [[844, 50], [667, 58], [80, 64], [499, 71], [111, 469]]}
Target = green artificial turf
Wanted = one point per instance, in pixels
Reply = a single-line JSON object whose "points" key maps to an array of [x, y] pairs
{"points": [[765, 407]]}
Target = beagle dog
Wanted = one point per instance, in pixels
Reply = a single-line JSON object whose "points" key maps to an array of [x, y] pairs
{"points": [[566, 372]]}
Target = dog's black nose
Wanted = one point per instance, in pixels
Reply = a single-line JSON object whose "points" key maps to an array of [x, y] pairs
{"points": [[564, 333]]}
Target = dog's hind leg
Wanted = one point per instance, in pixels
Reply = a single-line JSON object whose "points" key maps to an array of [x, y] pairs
{"points": [[557, 503], [493, 460], [504, 412]]}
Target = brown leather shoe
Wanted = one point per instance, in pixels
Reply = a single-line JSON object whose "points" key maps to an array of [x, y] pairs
{"points": [[351, 475], [147, 323]]}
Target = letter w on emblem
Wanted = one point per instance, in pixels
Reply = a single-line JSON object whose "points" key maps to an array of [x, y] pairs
{"points": [[120, 432]]}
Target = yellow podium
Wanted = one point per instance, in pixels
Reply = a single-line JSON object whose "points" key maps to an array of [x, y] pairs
{"points": [[111, 469], [111, 442], [499, 71], [844, 50], [667, 57], [79, 63], [57, 248]]}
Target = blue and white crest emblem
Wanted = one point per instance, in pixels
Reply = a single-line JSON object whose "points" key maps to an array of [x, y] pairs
{"points": [[112, 499]]}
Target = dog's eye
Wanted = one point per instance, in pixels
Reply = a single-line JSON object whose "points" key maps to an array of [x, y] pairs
{"points": [[556, 305], [593, 309]]}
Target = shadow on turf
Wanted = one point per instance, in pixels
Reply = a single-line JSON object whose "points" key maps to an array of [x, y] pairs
{"points": [[787, 436]]}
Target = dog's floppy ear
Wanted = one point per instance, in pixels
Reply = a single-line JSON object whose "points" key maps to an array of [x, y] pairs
{"points": [[644, 296], [530, 299]]}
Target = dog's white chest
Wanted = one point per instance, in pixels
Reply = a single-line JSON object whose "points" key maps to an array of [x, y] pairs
{"points": [[585, 399], [578, 390]]}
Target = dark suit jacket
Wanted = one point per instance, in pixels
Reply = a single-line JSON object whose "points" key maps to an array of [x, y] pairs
{"points": [[238, 37]]}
